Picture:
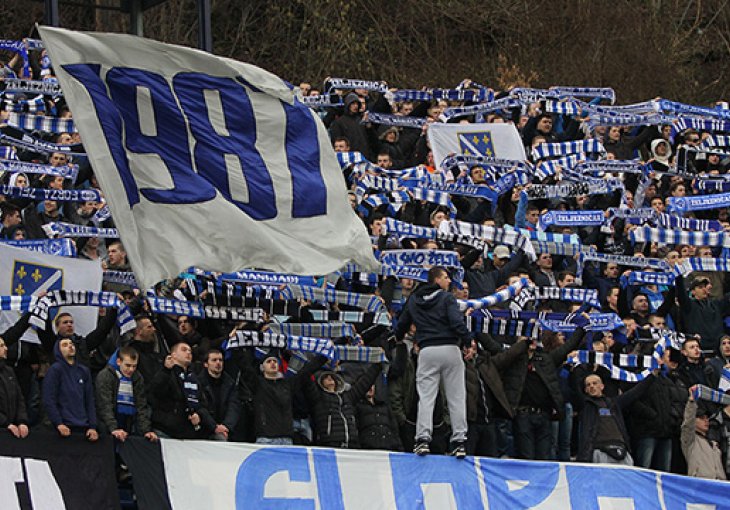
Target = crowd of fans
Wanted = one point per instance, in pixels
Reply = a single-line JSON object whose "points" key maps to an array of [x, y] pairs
{"points": [[445, 389]]}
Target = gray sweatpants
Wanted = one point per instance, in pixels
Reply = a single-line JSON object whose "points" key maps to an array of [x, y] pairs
{"points": [[441, 363]]}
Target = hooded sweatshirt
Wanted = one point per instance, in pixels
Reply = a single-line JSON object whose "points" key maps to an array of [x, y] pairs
{"points": [[436, 316], [68, 395]]}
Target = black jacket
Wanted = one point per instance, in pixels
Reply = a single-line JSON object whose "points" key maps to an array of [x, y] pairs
{"points": [[546, 365], [376, 426], [333, 413], [12, 402], [170, 408], [226, 409], [659, 413], [436, 316], [272, 398], [588, 407], [488, 367]]}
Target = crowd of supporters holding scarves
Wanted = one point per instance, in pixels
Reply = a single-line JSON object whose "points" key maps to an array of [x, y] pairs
{"points": [[583, 287]]}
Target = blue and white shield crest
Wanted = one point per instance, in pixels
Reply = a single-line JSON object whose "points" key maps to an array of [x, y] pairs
{"points": [[477, 143], [30, 278]]}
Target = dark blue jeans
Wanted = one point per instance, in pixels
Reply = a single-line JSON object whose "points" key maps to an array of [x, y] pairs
{"points": [[654, 453], [533, 436], [481, 439]]}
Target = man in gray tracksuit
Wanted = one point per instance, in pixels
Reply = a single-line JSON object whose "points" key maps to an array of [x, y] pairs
{"points": [[441, 334]]}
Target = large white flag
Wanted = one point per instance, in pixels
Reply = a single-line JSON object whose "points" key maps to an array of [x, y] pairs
{"points": [[26, 273], [205, 161], [492, 140]]}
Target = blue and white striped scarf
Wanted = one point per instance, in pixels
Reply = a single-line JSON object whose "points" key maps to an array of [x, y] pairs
{"points": [[584, 92], [120, 277], [562, 249], [199, 311], [349, 158], [572, 294], [621, 260], [39, 146], [681, 205], [17, 303], [322, 101], [424, 258], [702, 392], [550, 150], [496, 298], [323, 346], [367, 302], [545, 169], [503, 326], [609, 361], [467, 161], [598, 187], [315, 329], [60, 195], [716, 140], [536, 235], [610, 166], [666, 236], [56, 298], [265, 278], [673, 221], [350, 316], [41, 123], [45, 87], [564, 107], [634, 216], [395, 120], [353, 83], [702, 124], [374, 182], [493, 235], [571, 219], [58, 247], [448, 94], [20, 48], [8, 153], [647, 278], [61, 229], [691, 264], [35, 105], [394, 200], [468, 190], [15, 166], [682, 108], [435, 197], [711, 185], [360, 353], [605, 119], [480, 109]]}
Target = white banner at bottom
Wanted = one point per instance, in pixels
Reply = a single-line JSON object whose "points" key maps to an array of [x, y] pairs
{"points": [[203, 474]]}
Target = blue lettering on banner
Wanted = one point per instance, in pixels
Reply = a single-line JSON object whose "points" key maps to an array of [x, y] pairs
{"points": [[261, 465], [299, 478], [519, 484], [411, 476], [222, 155], [627, 485]]}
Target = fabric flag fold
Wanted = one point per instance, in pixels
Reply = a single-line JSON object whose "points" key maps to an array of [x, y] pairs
{"points": [[261, 186]]}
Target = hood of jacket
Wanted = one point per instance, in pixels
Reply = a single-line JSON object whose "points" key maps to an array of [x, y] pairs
{"points": [[427, 296], [340, 384], [662, 159], [57, 352]]}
